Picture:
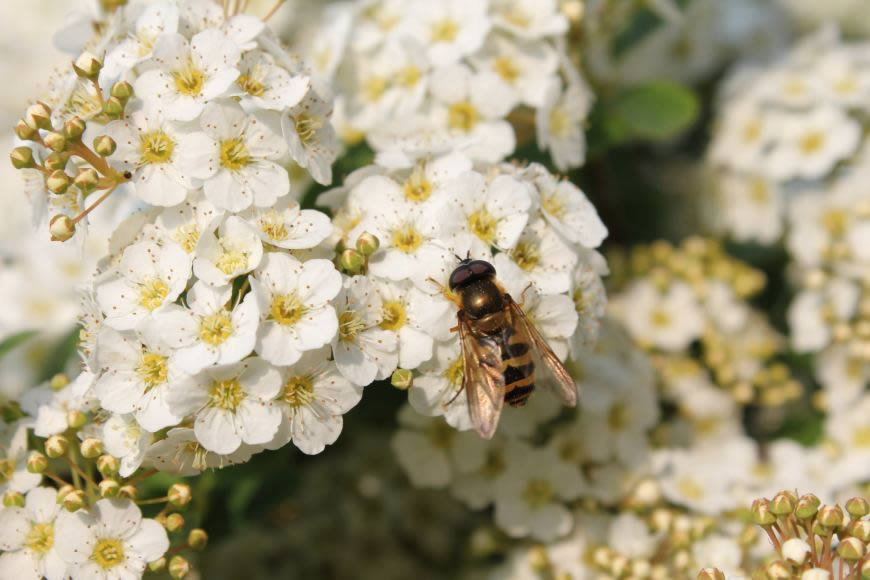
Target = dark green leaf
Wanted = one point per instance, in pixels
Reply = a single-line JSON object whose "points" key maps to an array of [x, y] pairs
{"points": [[655, 111], [10, 342]]}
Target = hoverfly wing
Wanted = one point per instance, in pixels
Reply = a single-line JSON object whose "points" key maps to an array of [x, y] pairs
{"points": [[550, 372], [483, 379]]}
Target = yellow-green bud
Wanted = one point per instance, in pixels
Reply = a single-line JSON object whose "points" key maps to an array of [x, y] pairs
{"points": [[807, 506], [122, 90], [76, 419], [865, 569], [36, 462], [782, 504], [56, 161], [179, 567], [64, 491], [108, 465], [13, 499], [58, 182], [402, 379], [352, 262], [851, 549], [87, 179], [761, 514], [22, 158], [55, 141], [711, 574], [820, 530], [857, 507], [74, 128], [61, 228], [174, 522], [367, 244], [74, 500], [179, 495], [104, 145], [831, 516], [197, 538], [24, 131], [129, 491], [56, 446], [58, 381], [778, 570], [113, 107], [91, 448], [158, 565], [87, 66], [109, 488], [861, 530], [38, 116]]}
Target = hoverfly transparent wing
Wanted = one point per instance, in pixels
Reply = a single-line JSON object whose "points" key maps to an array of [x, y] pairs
{"points": [[483, 378]]}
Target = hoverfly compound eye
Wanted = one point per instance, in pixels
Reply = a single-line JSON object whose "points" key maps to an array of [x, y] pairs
{"points": [[481, 268], [459, 276]]}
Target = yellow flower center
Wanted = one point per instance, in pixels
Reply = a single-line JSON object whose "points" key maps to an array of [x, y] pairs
{"points": [[445, 30], [108, 553], [7, 469], [350, 324], [462, 116], [153, 370], [287, 309], [836, 221], [690, 488], [846, 85], [395, 315], [552, 204], [759, 191], [152, 293], [156, 147], [455, 373], [374, 88], [235, 154], [483, 225], [495, 463], [409, 76], [506, 69], [406, 238], [82, 102], [660, 318], [417, 188], [307, 126], [560, 121], [861, 437], [187, 236], [227, 395], [298, 391], [189, 80], [794, 87], [232, 261], [812, 142], [618, 417], [216, 328], [526, 255], [251, 84], [752, 131], [579, 300], [40, 538], [517, 17], [538, 492]]}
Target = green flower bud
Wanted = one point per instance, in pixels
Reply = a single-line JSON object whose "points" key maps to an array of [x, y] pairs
{"points": [[128, 491], [402, 379], [179, 567], [851, 549], [831, 516], [74, 500], [105, 145], [113, 108], [778, 570], [782, 504], [108, 465], [56, 161], [91, 448], [74, 128], [820, 530], [158, 565], [61, 228], [22, 158], [865, 570], [861, 530], [87, 66], [76, 419], [58, 182], [87, 179], [857, 507], [38, 116], [122, 91], [807, 506], [64, 491], [58, 381], [109, 488], [352, 262], [13, 499], [55, 141], [56, 446], [36, 462], [197, 538], [24, 131], [711, 574], [367, 244], [179, 495], [174, 522], [761, 514]]}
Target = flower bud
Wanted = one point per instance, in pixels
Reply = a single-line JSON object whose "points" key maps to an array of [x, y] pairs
{"points": [[778, 570], [179, 495], [56, 161], [129, 491], [109, 488], [74, 128], [807, 506], [646, 494], [831, 516], [402, 379], [113, 107], [22, 158], [851, 549], [857, 507], [122, 90], [711, 574], [108, 465], [795, 550], [861, 530], [76, 419], [74, 500], [367, 244], [104, 145], [38, 116], [87, 179], [91, 448], [816, 574], [61, 228], [56, 446], [820, 530], [865, 569], [179, 567], [64, 491], [55, 141], [13, 499], [158, 565], [539, 560], [782, 504], [761, 514], [58, 182], [352, 262], [174, 522], [197, 538], [87, 66], [36, 462], [24, 131], [58, 381]]}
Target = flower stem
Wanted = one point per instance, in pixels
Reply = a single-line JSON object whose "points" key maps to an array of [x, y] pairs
{"points": [[94, 205], [274, 9]]}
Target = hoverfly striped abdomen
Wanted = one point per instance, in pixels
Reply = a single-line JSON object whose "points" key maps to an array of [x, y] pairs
{"points": [[519, 368]]}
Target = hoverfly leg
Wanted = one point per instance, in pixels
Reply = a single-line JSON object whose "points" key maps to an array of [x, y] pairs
{"points": [[523, 294]]}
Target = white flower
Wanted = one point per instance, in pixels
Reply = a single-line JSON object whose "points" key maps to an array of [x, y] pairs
{"points": [[125, 439], [842, 375], [28, 538], [286, 226], [525, 68], [670, 320], [232, 404], [720, 552], [137, 371], [267, 85], [437, 390], [211, 331], [811, 143], [186, 222], [449, 30], [236, 250], [496, 212], [743, 136], [749, 208], [295, 306], [813, 312], [312, 400], [540, 256], [180, 453], [148, 279], [241, 154], [529, 495], [567, 209], [552, 314], [795, 550], [155, 19], [112, 540], [51, 408], [848, 427], [631, 536], [311, 137], [559, 123], [188, 74], [362, 350], [589, 296], [815, 574], [529, 18]]}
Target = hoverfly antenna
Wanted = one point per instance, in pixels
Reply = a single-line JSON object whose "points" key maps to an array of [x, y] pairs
{"points": [[458, 258], [468, 255]]}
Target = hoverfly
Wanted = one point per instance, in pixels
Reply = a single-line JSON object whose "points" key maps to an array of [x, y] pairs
{"points": [[502, 349]]}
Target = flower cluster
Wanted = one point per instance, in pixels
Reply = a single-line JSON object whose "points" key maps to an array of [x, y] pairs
{"points": [[468, 74]]}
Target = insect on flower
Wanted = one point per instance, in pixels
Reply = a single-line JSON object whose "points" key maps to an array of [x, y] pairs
{"points": [[501, 348]]}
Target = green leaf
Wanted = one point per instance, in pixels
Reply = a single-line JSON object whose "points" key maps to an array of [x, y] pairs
{"points": [[644, 22], [61, 354], [10, 342], [655, 111]]}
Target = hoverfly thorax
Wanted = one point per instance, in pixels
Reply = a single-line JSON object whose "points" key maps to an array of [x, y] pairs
{"points": [[473, 281]]}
